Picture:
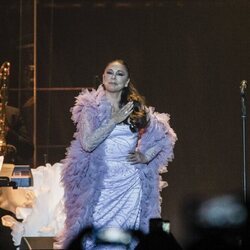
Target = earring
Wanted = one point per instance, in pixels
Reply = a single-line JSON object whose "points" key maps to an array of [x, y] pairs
{"points": [[128, 81]]}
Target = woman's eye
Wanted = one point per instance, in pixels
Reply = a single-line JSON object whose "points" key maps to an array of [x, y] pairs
{"points": [[109, 72], [120, 74]]}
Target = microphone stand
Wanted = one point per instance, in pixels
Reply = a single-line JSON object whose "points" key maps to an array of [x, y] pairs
{"points": [[244, 118], [243, 85]]}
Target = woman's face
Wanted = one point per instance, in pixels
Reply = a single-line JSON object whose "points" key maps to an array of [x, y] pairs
{"points": [[115, 77]]}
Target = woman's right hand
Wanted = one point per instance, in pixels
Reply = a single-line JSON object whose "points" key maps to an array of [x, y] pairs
{"points": [[123, 113]]}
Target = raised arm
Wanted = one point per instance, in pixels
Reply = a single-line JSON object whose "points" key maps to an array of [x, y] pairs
{"points": [[90, 138]]}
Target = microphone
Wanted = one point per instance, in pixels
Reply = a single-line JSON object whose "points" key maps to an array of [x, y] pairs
{"points": [[243, 86]]}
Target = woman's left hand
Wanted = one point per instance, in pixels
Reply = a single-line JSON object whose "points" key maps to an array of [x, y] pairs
{"points": [[137, 157]]}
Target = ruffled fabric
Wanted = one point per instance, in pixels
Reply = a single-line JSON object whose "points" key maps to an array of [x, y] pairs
{"points": [[158, 132], [82, 179]]}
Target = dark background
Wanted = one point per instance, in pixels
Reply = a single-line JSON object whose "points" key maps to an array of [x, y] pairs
{"points": [[186, 57]]}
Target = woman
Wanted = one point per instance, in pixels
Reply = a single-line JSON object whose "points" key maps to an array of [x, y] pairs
{"points": [[111, 172]]}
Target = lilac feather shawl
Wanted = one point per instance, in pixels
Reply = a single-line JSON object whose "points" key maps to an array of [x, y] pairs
{"points": [[82, 181]]}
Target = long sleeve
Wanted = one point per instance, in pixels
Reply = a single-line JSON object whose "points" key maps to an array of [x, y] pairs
{"points": [[159, 140], [152, 152], [89, 136]]}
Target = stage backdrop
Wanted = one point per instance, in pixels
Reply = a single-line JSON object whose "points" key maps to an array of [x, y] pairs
{"points": [[186, 57]]}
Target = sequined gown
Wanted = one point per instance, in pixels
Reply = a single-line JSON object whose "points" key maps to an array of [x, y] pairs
{"points": [[119, 202]]}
